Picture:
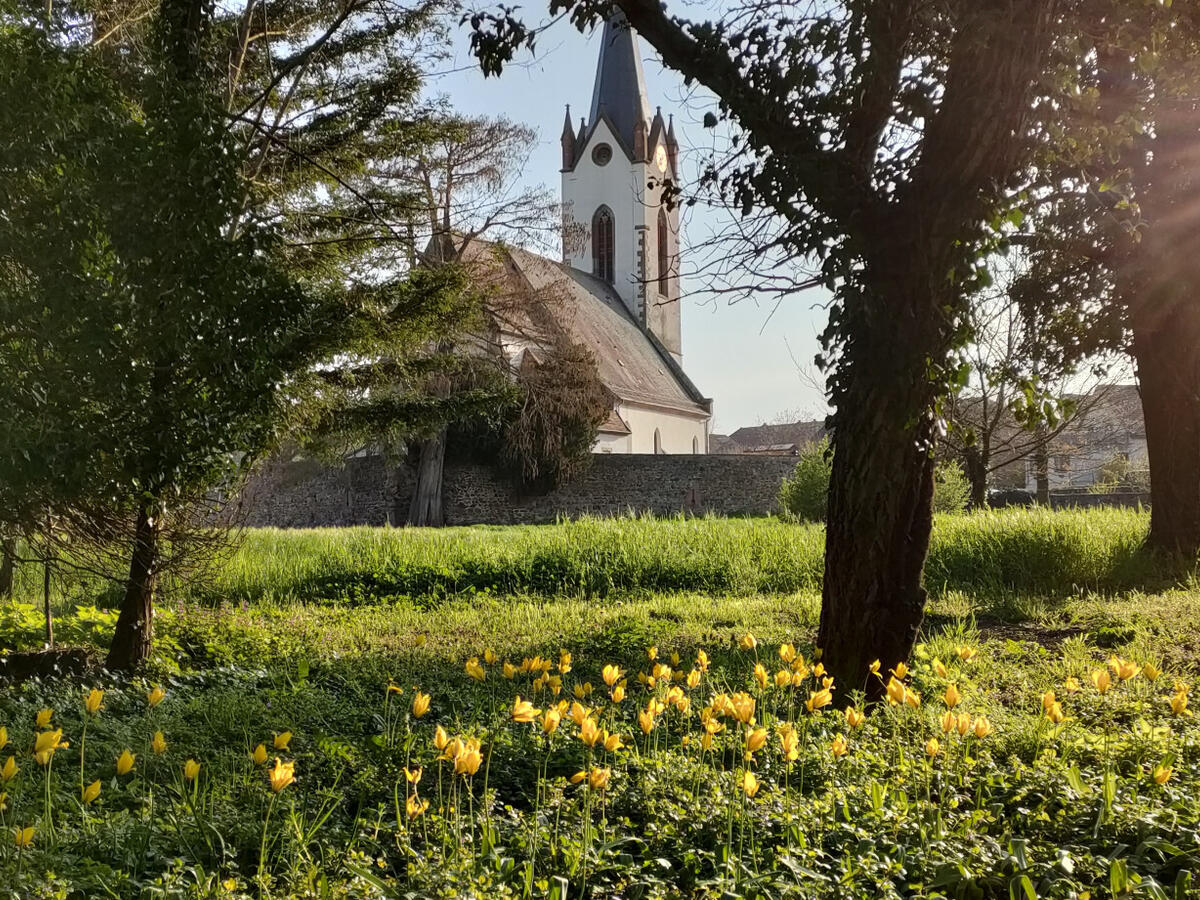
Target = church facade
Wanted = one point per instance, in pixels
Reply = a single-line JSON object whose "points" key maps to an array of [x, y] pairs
{"points": [[621, 252]]}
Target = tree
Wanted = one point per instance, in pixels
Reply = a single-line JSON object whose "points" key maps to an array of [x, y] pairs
{"points": [[861, 129]]}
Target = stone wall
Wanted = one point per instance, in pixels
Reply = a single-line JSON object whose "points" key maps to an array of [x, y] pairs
{"points": [[366, 491]]}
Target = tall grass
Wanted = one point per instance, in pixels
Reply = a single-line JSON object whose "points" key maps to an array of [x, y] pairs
{"points": [[1038, 551]]}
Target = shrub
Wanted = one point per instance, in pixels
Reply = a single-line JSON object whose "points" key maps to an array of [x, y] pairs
{"points": [[951, 490], [804, 493]]}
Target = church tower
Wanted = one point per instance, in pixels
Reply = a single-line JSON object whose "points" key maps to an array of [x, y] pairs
{"points": [[614, 223]]}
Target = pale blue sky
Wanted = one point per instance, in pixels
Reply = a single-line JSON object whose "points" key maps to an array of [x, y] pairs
{"points": [[740, 354]]}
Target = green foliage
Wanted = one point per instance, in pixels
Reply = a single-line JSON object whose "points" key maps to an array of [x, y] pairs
{"points": [[805, 492], [951, 489], [1118, 474]]}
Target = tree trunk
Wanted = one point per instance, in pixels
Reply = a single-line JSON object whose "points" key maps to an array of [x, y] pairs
{"points": [[8, 550], [1041, 469], [47, 569], [976, 466], [1167, 354], [426, 506], [135, 626], [880, 501]]}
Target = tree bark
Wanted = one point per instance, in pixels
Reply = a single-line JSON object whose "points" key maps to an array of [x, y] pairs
{"points": [[1041, 468], [426, 507], [1167, 354], [8, 550], [134, 633], [976, 466]]}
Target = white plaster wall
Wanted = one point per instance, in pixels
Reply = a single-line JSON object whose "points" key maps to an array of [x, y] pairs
{"points": [[675, 429], [612, 443]]}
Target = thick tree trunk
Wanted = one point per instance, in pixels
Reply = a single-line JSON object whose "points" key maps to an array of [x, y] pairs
{"points": [[880, 502], [8, 552], [976, 466], [134, 633], [426, 507], [1041, 470], [1167, 353]]}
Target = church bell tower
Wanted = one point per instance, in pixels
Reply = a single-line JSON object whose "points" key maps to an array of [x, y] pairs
{"points": [[615, 225]]}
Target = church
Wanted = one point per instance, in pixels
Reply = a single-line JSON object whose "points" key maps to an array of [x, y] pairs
{"points": [[617, 288]]}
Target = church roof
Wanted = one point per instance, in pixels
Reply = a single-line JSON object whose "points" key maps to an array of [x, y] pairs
{"points": [[620, 89], [631, 363]]}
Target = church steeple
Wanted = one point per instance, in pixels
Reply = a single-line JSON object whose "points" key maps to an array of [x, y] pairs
{"points": [[620, 89]]}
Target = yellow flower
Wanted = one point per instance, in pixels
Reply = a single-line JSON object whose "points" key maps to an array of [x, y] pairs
{"points": [[578, 777], [281, 775], [819, 670], [912, 698], [93, 701], [420, 704], [854, 718], [693, 678], [952, 697], [1055, 713], [1048, 701], [9, 770], [612, 675], [259, 754], [393, 688], [874, 667], [1162, 774], [420, 640], [1071, 684], [414, 806], [589, 732], [3, 737], [510, 671], [1151, 672], [43, 718], [155, 696], [523, 711], [91, 792], [839, 747], [932, 747], [1100, 680], [701, 660], [755, 738], [23, 837], [598, 779], [158, 744], [440, 738], [982, 727], [787, 652], [191, 769], [749, 783], [818, 699], [564, 662], [966, 654], [742, 706], [474, 669], [46, 743], [282, 740], [413, 776], [949, 721], [895, 692], [940, 669], [760, 675], [789, 742], [618, 693], [550, 721], [489, 656], [612, 743], [964, 723], [645, 721], [748, 641], [579, 712], [125, 762], [652, 653], [900, 671], [1179, 703], [783, 678], [1123, 668], [468, 758]]}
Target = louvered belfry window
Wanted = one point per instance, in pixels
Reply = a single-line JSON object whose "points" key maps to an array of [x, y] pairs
{"points": [[602, 244]]}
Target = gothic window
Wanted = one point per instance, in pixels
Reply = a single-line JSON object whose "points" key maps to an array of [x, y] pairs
{"points": [[602, 244], [664, 255], [695, 445], [657, 443]]}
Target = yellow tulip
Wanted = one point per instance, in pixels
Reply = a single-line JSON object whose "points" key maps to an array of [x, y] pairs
{"points": [[819, 670], [564, 662], [748, 641], [940, 669], [9, 770], [91, 792], [259, 754], [191, 769], [468, 759], [789, 742], [818, 699], [420, 640], [949, 721], [474, 669], [854, 718], [414, 806], [952, 697], [839, 747], [1071, 684], [413, 776], [46, 743], [1162, 774], [440, 738], [761, 676], [3, 737], [489, 656], [612, 743], [743, 706], [550, 721], [1048, 701], [1151, 672], [874, 668], [749, 783], [900, 671], [589, 732], [964, 723], [510, 671], [982, 727], [93, 701], [966, 654], [783, 678], [125, 763], [1124, 669], [701, 660], [393, 688], [1100, 680], [598, 779], [420, 704], [787, 652], [693, 678], [912, 698], [523, 711], [932, 747], [43, 718], [1055, 714], [23, 837], [282, 740], [618, 693], [579, 712], [281, 775], [895, 692], [158, 744], [755, 738], [155, 696], [645, 721], [1179, 703], [611, 674]]}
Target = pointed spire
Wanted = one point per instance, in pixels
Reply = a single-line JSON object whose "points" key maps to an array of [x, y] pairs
{"points": [[568, 142], [620, 88], [672, 146]]}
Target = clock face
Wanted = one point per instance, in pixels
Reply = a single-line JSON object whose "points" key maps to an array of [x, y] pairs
{"points": [[660, 158]]}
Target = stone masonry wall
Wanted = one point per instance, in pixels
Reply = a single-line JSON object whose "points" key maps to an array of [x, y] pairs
{"points": [[367, 491]]}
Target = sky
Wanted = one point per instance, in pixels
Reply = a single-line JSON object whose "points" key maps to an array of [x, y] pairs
{"points": [[754, 359]]}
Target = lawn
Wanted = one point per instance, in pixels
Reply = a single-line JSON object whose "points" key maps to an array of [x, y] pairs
{"points": [[654, 785]]}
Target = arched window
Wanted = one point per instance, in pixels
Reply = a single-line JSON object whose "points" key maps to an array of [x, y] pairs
{"points": [[664, 251], [602, 244], [695, 445], [657, 443]]}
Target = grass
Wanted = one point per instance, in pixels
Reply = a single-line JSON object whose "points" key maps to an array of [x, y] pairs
{"points": [[1031, 809]]}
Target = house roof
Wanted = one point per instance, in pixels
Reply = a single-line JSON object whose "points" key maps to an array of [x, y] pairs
{"points": [[762, 438], [723, 443], [631, 363]]}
